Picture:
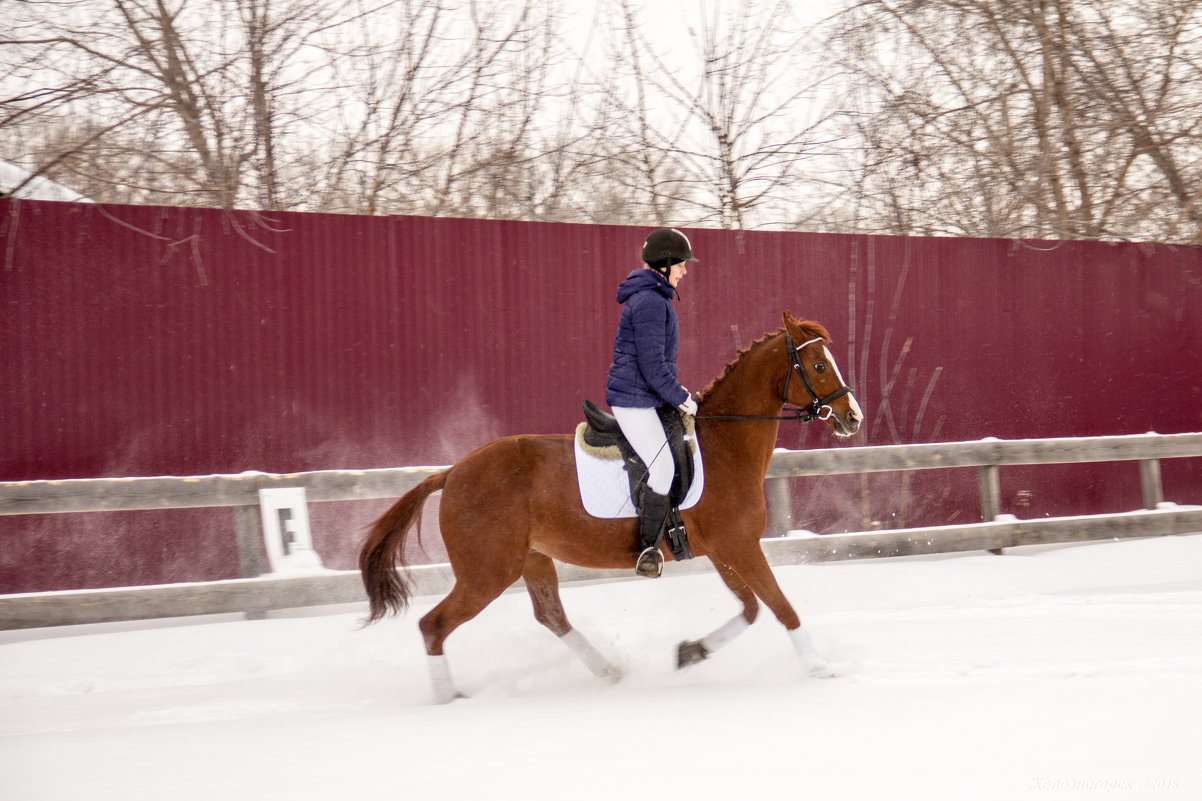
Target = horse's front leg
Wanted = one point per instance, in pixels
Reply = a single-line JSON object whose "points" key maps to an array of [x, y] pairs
{"points": [[751, 566], [690, 652]]}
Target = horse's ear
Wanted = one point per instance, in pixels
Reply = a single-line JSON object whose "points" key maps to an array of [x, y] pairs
{"points": [[791, 322]]}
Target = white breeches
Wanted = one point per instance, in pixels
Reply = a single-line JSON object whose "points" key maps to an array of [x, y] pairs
{"points": [[646, 435]]}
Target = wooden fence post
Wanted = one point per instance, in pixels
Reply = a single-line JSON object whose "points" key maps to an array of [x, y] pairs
{"points": [[248, 534], [991, 495], [1149, 480], [780, 506], [991, 492]]}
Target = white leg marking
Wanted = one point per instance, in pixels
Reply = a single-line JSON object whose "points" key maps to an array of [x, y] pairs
{"points": [[440, 679], [590, 656], [811, 660], [722, 635]]}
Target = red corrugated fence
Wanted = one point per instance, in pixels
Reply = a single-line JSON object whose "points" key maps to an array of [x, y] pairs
{"points": [[145, 340]]}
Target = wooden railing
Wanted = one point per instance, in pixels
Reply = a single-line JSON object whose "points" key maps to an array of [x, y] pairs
{"points": [[238, 490], [257, 594]]}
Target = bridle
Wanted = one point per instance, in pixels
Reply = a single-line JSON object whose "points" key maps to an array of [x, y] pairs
{"points": [[819, 409]]}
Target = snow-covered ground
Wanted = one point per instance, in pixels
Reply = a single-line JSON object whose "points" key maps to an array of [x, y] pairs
{"points": [[1048, 673]]}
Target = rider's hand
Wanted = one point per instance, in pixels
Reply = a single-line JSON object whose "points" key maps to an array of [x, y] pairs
{"points": [[689, 407]]}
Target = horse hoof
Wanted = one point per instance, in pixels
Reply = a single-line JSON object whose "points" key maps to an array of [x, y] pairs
{"points": [[821, 670], [690, 652], [611, 674]]}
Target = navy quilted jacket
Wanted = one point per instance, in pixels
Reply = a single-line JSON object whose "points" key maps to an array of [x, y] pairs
{"points": [[643, 372]]}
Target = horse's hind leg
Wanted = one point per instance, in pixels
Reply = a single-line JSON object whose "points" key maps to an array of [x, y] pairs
{"points": [[542, 583], [466, 600], [692, 651]]}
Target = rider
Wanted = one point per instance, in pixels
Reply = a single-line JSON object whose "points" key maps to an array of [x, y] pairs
{"points": [[642, 377]]}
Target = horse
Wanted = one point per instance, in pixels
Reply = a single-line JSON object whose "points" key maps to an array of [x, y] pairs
{"points": [[512, 507]]}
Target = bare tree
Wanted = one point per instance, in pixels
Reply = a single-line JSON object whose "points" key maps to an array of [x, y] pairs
{"points": [[1026, 118], [633, 131], [410, 106], [195, 94], [443, 111], [712, 120]]}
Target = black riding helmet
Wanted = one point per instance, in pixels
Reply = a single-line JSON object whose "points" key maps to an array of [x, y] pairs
{"points": [[666, 247]]}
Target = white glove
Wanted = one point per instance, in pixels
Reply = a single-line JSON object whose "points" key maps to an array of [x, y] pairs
{"points": [[689, 407]]}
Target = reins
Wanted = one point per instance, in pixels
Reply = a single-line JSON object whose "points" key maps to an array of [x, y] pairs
{"points": [[820, 409]]}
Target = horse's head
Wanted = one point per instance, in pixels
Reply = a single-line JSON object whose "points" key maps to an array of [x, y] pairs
{"points": [[814, 382]]}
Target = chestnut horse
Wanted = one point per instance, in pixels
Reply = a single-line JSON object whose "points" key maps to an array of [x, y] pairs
{"points": [[511, 507]]}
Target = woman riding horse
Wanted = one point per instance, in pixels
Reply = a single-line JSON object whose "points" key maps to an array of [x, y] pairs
{"points": [[513, 507], [642, 378]]}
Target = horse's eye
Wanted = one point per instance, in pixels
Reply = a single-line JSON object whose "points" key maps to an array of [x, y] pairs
{"points": [[820, 368]]}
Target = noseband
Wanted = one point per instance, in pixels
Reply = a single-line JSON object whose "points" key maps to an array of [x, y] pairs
{"points": [[819, 409]]}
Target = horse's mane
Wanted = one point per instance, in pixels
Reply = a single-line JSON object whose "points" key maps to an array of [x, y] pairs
{"points": [[809, 330]]}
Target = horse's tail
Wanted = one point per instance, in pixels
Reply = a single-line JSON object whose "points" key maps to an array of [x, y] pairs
{"points": [[382, 551]]}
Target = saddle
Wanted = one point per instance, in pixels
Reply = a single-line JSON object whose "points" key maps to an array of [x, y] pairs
{"points": [[602, 431]]}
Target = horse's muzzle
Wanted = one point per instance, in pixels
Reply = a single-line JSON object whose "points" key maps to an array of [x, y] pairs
{"points": [[846, 424]]}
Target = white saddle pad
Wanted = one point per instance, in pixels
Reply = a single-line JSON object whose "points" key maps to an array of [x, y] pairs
{"points": [[605, 488]]}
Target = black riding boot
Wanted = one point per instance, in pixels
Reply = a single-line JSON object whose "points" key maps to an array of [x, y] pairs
{"points": [[652, 512]]}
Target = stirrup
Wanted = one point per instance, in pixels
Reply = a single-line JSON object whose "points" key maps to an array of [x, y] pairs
{"points": [[651, 563]]}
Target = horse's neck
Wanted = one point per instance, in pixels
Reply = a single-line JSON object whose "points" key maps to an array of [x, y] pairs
{"points": [[748, 389], [750, 385]]}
